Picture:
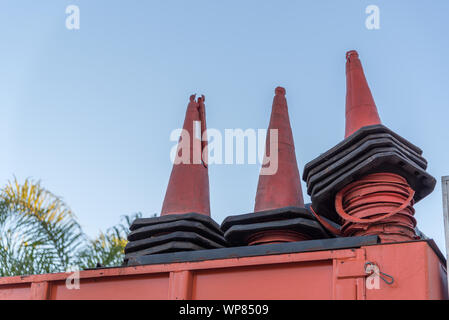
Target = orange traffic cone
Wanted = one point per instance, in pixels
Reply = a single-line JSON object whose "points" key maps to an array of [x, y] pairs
{"points": [[283, 188], [185, 223], [360, 107], [379, 194], [279, 213], [188, 187]]}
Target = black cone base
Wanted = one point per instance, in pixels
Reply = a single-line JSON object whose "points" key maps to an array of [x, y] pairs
{"points": [[372, 149], [173, 233], [240, 228]]}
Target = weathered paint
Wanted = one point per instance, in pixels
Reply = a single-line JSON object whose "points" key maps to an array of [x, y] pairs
{"points": [[332, 274]]}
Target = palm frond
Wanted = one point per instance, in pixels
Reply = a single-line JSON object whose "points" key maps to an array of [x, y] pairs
{"points": [[40, 234], [33, 215]]}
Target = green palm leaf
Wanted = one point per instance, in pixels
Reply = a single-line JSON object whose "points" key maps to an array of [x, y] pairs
{"points": [[40, 234]]}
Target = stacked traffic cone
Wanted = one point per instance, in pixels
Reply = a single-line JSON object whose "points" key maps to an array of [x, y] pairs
{"points": [[282, 187], [369, 181], [361, 111], [185, 223], [188, 187], [279, 214]]}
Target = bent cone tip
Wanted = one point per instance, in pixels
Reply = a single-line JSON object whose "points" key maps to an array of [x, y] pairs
{"points": [[352, 53], [188, 185]]}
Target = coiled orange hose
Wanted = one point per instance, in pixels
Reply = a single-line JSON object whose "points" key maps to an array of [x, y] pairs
{"points": [[377, 204]]}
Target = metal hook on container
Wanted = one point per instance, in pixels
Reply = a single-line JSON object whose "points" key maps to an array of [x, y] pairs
{"points": [[384, 276]]}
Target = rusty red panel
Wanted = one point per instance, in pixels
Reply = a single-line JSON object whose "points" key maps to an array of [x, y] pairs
{"points": [[143, 287], [418, 271], [15, 291], [304, 280]]}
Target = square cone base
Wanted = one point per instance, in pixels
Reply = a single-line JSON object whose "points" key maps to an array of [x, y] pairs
{"points": [[173, 233], [372, 149], [240, 229]]}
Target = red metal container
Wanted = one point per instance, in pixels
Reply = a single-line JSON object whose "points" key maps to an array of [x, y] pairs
{"points": [[417, 267]]}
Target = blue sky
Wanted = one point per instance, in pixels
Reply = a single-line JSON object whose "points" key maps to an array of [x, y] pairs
{"points": [[89, 112]]}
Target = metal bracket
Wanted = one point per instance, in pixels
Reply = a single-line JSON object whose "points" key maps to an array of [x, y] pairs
{"points": [[445, 190]]}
